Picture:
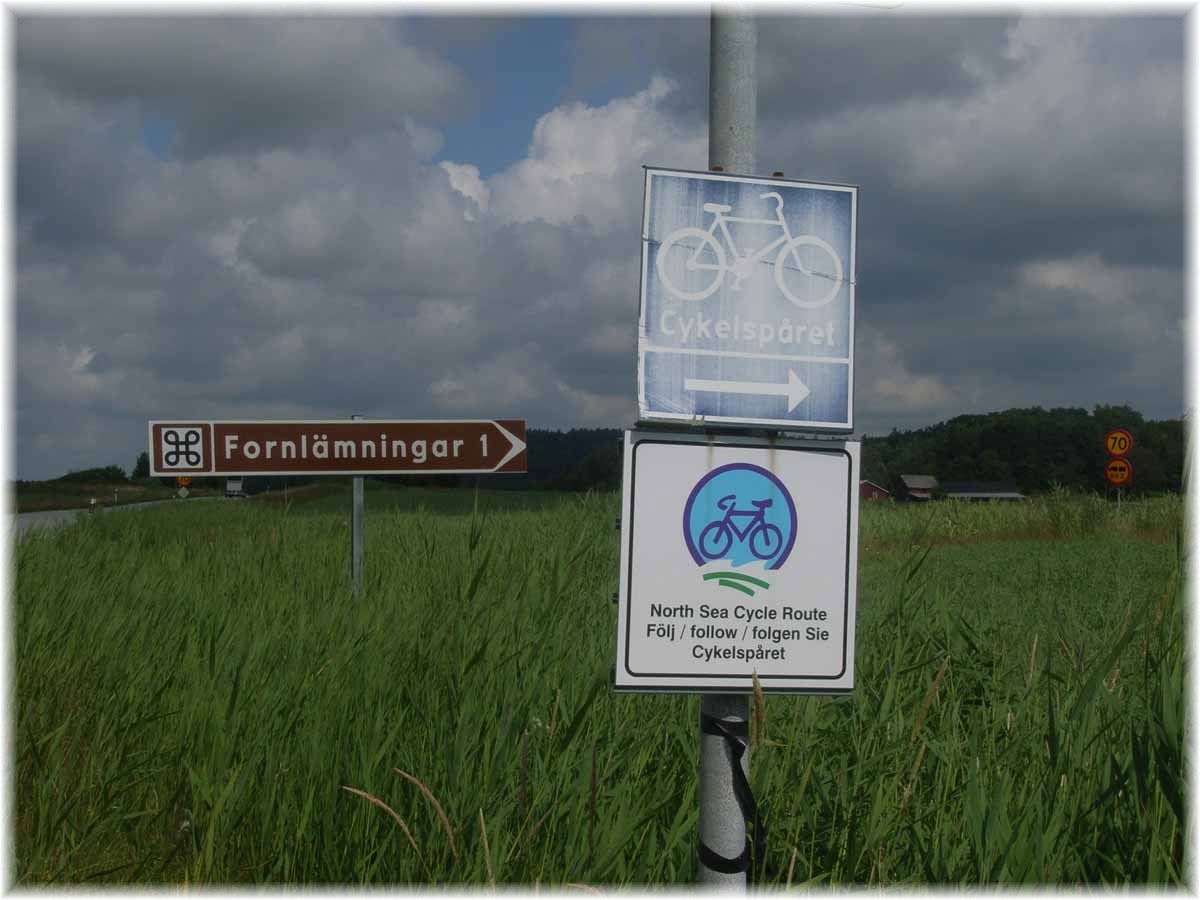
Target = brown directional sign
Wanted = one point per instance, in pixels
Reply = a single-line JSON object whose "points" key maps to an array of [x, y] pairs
{"points": [[336, 447], [1118, 472]]}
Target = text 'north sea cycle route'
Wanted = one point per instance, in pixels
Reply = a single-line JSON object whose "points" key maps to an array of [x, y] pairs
{"points": [[747, 301]]}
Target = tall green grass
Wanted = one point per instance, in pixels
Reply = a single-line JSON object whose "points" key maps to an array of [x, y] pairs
{"points": [[899, 527], [199, 700]]}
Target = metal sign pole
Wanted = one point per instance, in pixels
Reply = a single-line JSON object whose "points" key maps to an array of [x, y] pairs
{"points": [[356, 534], [732, 115]]}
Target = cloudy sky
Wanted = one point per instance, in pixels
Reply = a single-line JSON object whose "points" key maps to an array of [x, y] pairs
{"points": [[409, 216]]}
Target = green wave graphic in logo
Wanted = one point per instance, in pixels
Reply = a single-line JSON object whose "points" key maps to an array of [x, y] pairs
{"points": [[737, 581]]}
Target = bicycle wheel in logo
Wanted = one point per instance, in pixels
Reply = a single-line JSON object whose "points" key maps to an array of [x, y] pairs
{"points": [[766, 541], [808, 272], [695, 251], [715, 540]]}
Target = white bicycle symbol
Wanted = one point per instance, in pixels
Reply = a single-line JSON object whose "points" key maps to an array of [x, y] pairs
{"points": [[708, 255]]}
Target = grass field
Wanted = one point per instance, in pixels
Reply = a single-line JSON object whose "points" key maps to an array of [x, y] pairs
{"points": [[200, 701]]}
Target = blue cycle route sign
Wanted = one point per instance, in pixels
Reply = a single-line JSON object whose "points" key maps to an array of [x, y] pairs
{"points": [[747, 301]]}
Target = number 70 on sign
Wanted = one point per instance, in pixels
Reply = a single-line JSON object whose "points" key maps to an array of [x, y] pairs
{"points": [[1118, 442]]}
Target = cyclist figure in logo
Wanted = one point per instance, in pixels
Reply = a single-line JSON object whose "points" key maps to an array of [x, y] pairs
{"points": [[717, 537], [740, 513]]}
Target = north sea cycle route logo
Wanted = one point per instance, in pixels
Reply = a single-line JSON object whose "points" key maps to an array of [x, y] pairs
{"points": [[741, 514]]}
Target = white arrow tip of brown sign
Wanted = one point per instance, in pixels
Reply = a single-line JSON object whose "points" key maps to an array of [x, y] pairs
{"points": [[516, 445]]}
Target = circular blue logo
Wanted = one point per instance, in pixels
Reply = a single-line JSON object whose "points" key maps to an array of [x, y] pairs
{"points": [[740, 513]]}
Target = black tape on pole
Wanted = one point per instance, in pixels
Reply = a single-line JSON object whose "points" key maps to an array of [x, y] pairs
{"points": [[724, 864], [736, 736]]}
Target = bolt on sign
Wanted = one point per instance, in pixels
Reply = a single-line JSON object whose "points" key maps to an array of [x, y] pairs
{"points": [[337, 447], [739, 557], [1119, 472]]}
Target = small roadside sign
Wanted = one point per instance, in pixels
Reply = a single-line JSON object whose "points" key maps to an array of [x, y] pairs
{"points": [[1118, 442], [738, 558], [1119, 472], [747, 301], [336, 447]]}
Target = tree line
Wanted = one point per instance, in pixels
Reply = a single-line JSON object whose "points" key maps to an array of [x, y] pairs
{"points": [[1032, 449]]}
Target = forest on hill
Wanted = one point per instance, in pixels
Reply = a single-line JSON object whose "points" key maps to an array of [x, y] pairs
{"points": [[1033, 449]]}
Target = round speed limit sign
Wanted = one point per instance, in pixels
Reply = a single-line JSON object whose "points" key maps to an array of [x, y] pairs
{"points": [[1118, 472], [1118, 442]]}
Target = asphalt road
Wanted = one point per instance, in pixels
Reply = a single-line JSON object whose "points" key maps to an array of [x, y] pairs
{"points": [[23, 522], [50, 518]]}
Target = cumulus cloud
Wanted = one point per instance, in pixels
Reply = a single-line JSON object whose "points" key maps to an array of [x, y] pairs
{"points": [[505, 381], [584, 161], [465, 179], [886, 387], [307, 249]]}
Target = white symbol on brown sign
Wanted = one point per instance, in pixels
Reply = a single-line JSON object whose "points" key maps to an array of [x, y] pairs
{"points": [[182, 448]]}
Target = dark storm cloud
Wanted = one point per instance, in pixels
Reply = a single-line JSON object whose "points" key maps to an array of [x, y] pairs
{"points": [[69, 167], [814, 66], [243, 83], [807, 65], [1072, 328], [456, 35]]}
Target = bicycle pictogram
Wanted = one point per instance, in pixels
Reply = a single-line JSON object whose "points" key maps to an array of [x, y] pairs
{"points": [[765, 539], [822, 276], [178, 445], [760, 530]]}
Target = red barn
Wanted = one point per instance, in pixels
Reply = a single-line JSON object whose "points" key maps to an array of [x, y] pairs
{"points": [[869, 490]]}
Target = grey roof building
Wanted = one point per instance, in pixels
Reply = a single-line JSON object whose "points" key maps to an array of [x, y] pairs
{"points": [[919, 487], [981, 490]]}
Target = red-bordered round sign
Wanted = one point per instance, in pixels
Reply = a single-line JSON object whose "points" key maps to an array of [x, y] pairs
{"points": [[1118, 442], [1118, 471]]}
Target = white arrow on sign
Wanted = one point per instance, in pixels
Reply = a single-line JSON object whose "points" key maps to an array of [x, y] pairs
{"points": [[795, 390], [516, 445]]}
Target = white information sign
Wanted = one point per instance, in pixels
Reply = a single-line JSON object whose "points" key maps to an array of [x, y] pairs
{"points": [[738, 556], [747, 301]]}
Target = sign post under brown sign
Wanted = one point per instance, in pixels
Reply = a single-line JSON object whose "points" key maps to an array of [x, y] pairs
{"points": [[336, 447]]}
